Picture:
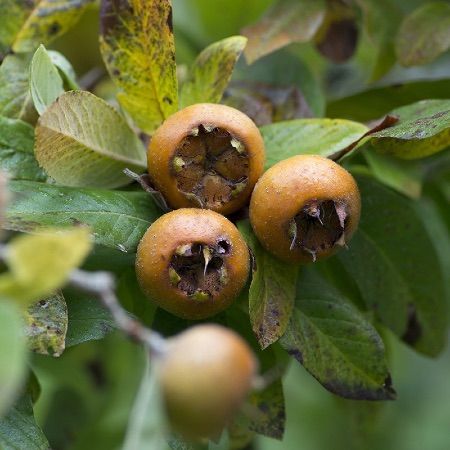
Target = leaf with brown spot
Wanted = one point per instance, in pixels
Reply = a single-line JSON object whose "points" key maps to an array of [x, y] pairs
{"points": [[211, 72], [137, 45], [271, 294], [46, 325], [286, 22], [424, 34], [335, 343]]}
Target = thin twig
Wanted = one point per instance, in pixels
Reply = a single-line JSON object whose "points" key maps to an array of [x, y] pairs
{"points": [[102, 285]]}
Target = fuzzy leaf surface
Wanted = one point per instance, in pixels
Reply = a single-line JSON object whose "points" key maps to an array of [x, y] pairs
{"points": [[308, 136], [117, 219], [82, 141]]}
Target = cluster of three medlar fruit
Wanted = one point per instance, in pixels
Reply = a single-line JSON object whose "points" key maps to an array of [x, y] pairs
{"points": [[206, 159]]}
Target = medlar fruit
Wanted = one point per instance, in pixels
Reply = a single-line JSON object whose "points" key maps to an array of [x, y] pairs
{"points": [[205, 377], [208, 156], [304, 208], [192, 262]]}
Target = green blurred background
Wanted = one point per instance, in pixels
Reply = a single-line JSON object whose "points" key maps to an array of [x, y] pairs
{"points": [[107, 372]]}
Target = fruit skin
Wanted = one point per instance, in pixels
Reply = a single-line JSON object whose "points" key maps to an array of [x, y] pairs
{"points": [[179, 227], [286, 187], [205, 377], [165, 140]]}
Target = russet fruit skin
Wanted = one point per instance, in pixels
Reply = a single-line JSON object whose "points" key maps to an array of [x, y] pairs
{"points": [[162, 280], [286, 189], [205, 377], [166, 141]]}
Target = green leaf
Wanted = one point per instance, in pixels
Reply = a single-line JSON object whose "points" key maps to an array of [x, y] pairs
{"points": [[16, 150], [88, 319], [147, 423], [82, 141], [335, 343], [381, 19], [65, 69], [393, 261], [19, 430], [386, 98], [308, 136], [403, 176], [423, 129], [424, 34], [15, 96], [13, 13], [211, 72], [286, 22], [47, 20], [13, 355], [45, 82], [46, 325], [40, 264], [137, 45], [272, 292], [116, 219]]}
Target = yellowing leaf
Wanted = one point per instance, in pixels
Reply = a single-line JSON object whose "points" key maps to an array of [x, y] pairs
{"points": [[40, 264], [286, 22], [211, 72], [48, 19], [83, 141], [137, 45]]}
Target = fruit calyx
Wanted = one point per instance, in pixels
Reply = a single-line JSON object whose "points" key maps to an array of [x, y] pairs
{"points": [[319, 226], [211, 166], [199, 270]]}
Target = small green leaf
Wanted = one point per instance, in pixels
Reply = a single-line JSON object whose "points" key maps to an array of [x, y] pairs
{"points": [[13, 355], [147, 424], [211, 72], [423, 129], [394, 263], [335, 343], [116, 219], [403, 176], [137, 45], [424, 34], [83, 141], [272, 292], [16, 150], [47, 20], [308, 136], [40, 264], [15, 96], [286, 22], [19, 430], [88, 319], [65, 68], [45, 82], [46, 325]]}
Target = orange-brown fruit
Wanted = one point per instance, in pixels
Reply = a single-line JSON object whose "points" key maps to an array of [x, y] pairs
{"points": [[205, 377], [305, 208], [192, 262], [206, 155]]}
